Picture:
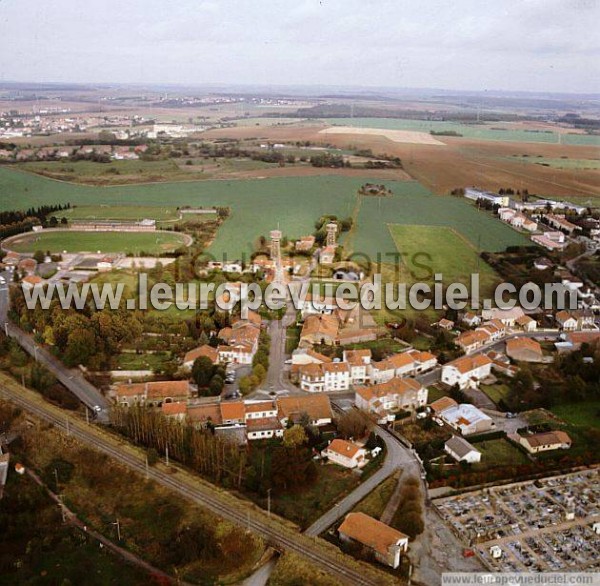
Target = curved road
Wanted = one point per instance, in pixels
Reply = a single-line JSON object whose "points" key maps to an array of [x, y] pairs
{"points": [[398, 457]]}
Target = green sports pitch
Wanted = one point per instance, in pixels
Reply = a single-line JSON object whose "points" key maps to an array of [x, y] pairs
{"points": [[71, 241]]}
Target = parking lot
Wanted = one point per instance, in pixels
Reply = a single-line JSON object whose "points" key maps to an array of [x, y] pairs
{"points": [[544, 525]]}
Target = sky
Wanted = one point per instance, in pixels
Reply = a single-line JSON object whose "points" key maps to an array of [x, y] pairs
{"points": [[528, 45]]}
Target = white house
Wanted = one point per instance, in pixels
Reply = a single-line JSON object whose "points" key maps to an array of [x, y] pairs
{"points": [[466, 371], [544, 441], [359, 362], [467, 419], [346, 454], [336, 376], [266, 428], [566, 321], [461, 450], [259, 410], [330, 376], [527, 323]]}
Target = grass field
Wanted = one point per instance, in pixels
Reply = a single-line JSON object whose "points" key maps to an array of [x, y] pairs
{"points": [[73, 241], [447, 252], [333, 483], [130, 361], [292, 202], [563, 162], [121, 212], [487, 131], [375, 502], [496, 392], [499, 452], [586, 413]]}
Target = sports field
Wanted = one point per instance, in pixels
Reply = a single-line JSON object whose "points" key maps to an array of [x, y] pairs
{"points": [[258, 206], [73, 241], [502, 131], [441, 250]]}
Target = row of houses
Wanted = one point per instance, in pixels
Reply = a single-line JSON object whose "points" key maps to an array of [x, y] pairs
{"points": [[238, 420], [251, 420], [318, 373], [517, 219]]}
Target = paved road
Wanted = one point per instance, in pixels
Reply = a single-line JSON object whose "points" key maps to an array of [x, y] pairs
{"points": [[280, 535], [397, 457], [87, 393], [262, 575]]}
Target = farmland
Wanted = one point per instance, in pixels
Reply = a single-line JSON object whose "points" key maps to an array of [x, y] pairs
{"points": [[502, 131], [412, 204], [448, 253], [489, 164], [562, 162], [295, 203], [138, 171], [74, 241]]}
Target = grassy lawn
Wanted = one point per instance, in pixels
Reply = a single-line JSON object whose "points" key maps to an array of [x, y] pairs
{"points": [[496, 392], [586, 413], [374, 504], [292, 570], [498, 452], [73, 241], [435, 393], [491, 131], [129, 361], [388, 345], [415, 432], [410, 205], [305, 507]]}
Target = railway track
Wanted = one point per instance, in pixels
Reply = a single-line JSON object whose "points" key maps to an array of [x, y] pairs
{"points": [[280, 537]]}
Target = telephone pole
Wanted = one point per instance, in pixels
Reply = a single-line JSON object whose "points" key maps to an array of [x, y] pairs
{"points": [[118, 529]]}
